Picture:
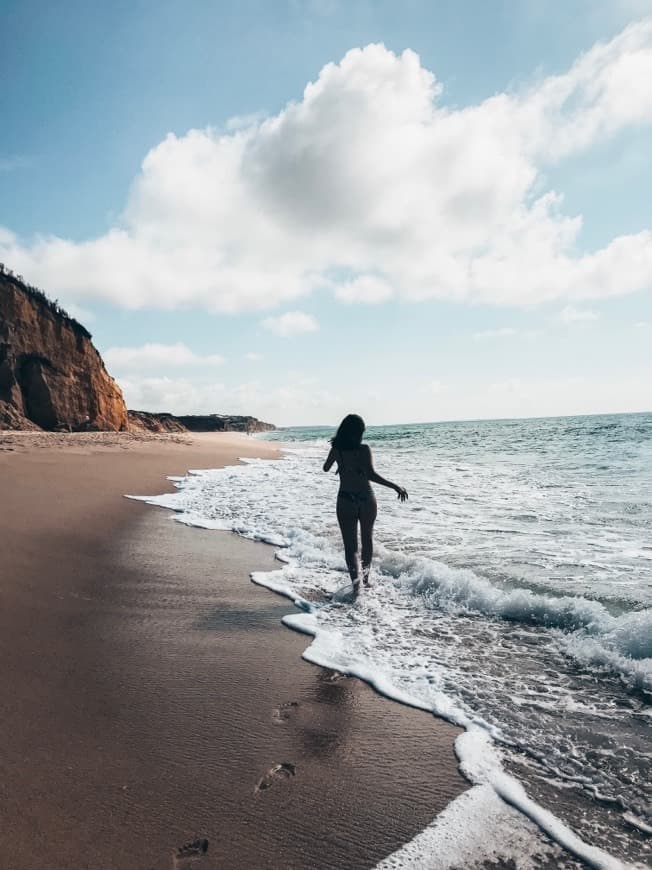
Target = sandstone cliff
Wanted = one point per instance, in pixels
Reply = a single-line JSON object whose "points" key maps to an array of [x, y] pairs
{"points": [[51, 376], [143, 421]]}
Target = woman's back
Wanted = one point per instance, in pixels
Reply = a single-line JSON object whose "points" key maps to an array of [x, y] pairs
{"points": [[353, 468]]}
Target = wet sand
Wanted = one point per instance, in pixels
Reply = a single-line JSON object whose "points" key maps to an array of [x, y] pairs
{"points": [[148, 691]]}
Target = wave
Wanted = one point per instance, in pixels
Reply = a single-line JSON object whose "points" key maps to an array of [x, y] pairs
{"points": [[589, 633], [622, 643]]}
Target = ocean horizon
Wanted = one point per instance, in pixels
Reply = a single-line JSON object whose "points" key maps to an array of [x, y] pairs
{"points": [[333, 426]]}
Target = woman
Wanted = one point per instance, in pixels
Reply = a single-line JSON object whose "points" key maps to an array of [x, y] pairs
{"points": [[356, 502]]}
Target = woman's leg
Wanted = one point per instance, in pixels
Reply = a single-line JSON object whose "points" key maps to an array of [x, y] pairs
{"points": [[347, 517], [368, 511]]}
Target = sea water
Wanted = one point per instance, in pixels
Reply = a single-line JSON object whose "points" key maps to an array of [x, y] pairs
{"points": [[512, 595]]}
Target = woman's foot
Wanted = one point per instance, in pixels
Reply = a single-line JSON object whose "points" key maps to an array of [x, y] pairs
{"points": [[366, 570]]}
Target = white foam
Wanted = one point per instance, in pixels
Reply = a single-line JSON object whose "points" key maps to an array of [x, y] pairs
{"points": [[475, 828]]}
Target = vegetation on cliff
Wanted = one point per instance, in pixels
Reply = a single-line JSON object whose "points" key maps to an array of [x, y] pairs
{"points": [[41, 299], [52, 377], [144, 421]]}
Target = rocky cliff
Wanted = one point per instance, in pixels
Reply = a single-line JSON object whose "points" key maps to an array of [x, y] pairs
{"points": [[223, 423], [143, 421], [51, 376]]}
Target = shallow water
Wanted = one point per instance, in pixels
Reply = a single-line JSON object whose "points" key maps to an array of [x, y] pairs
{"points": [[512, 594]]}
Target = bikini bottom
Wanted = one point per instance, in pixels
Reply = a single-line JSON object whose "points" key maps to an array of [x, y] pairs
{"points": [[355, 497]]}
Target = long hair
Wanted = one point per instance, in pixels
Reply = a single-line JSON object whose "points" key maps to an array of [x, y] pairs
{"points": [[349, 433]]}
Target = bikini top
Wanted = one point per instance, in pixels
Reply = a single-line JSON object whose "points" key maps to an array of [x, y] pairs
{"points": [[341, 466]]}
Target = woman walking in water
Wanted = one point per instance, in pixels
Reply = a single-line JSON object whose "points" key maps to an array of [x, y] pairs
{"points": [[356, 502]]}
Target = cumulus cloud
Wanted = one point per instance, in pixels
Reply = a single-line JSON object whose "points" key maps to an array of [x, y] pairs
{"points": [[364, 288], [173, 394], [253, 356], [157, 356], [291, 323], [286, 404], [370, 173], [570, 315]]}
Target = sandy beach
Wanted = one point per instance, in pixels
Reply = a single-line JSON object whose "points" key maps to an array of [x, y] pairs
{"points": [[150, 695]]}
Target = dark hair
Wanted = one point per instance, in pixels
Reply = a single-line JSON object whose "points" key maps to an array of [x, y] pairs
{"points": [[349, 433]]}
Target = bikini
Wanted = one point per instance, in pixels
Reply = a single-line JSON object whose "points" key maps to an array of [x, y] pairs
{"points": [[356, 498]]}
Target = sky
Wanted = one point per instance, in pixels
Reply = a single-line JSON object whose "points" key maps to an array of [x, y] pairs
{"points": [[297, 209]]}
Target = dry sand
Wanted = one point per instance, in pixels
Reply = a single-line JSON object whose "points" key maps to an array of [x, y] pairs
{"points": [[147, 687]]}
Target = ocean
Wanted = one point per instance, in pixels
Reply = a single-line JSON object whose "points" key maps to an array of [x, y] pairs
{"points": [[512, 595]]}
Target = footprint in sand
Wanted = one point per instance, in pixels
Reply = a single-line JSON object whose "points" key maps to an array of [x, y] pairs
{"points": [[284, 770], [190, 854], [282, 713], [334, 676]]}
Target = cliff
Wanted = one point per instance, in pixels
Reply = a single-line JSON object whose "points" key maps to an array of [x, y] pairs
{"points": [[143, 421], [51, 376]]}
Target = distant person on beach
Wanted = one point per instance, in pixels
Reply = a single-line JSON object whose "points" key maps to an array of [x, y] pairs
{"points": [[356, 502]]}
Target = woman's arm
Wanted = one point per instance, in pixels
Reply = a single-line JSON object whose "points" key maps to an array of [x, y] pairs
{"points": [[330, 459], [374, 477]]}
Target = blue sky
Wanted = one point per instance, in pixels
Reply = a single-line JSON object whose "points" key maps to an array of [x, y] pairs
{"points": [[459, 230]]}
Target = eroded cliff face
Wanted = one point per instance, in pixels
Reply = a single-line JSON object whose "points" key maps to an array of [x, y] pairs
{"points": [[144, 421], [51, 376]]}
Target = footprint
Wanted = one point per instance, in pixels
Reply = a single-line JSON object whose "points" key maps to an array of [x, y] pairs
{"points": [[277, 771], [334, 676], [283, 712], [190, 853]]}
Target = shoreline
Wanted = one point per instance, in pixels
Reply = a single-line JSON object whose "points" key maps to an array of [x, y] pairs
{"points": [[154, 689]]}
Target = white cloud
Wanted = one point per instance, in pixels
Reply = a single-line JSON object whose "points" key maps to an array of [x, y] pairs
{"points": [[304, 401], [642, 324], [283, 405], [291, 323], [504, 332], [570, 315], [369, 172], [364, 288], [242, 122], [175, 395], [157, 356], [253, 357]]}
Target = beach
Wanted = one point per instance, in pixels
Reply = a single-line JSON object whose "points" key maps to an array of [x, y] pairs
{"points": [[151, 698]]}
